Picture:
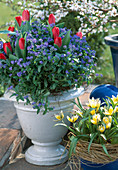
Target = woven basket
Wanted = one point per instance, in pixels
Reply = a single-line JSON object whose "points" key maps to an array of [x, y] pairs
{"points": [[96, 153]]}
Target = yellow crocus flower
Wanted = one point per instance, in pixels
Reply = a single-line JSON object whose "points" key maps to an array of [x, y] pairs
{"points": [[109, 112], [94, 103], [60, 116], [78, 112], [115, 99], [96, 119], [101, 128], [73, 118], [105, 120], [110, 119], [92, 112], [116, 109], [108, 125]]}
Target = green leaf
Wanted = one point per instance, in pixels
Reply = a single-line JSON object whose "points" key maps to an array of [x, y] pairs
{"points": [[105, 150], [38, 110], [106, 101], [66, 39], [57, 47], [59, 70], [113, 105], [12, 57], [79, 105], [34, 81], [84, 119], [50, 29], [53, 86], [39, 68], [8, 32], [60, 25], [73, 144], [14, 94], [8, 51], [17, 49], [17, 25], [12, 45], [26, 27], [63, 33], [93, 135], [112, 132], [50, 108], [45, 111], [45, 83], [28, 77], [25, 50], [21, 97], [47, 94]]}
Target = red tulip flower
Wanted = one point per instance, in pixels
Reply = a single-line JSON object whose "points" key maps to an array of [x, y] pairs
{"points": [[7, 45], [22, 43], [2, 56], [25, 15], [58, 41], [19, 20], [55, 32], [79, 34], [11, 29], [51, 19]]}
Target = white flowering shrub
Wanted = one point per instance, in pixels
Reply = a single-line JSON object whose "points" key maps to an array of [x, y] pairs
{"points": [[92, 17]]}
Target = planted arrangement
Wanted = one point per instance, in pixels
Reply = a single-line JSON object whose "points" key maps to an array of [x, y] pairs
{"points": [[43, 59], [94, 132]]}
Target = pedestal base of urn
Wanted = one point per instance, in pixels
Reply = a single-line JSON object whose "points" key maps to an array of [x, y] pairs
{"points": [[46, 153]]}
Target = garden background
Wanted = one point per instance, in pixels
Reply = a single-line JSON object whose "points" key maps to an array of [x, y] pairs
{"points": [[79, 16]]}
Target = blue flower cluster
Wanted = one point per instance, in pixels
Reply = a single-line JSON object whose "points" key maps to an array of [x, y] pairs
{"points": [[1, 45]]}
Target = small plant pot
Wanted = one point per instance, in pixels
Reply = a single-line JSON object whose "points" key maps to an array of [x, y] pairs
{"points": [[112, 41], [96, 158]]}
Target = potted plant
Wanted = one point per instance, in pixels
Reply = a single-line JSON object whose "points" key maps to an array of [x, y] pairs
{"points": [[94, 134], [112, 41], [43, 67]]}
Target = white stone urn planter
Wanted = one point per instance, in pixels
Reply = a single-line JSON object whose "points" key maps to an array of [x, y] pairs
{"points": [[46, 138]]}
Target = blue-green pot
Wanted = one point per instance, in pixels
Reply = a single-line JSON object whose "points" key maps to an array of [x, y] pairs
{"points": [[112, 41], [87, 165]]}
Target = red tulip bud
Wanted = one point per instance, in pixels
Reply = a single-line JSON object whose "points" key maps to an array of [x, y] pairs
{"points": [[25, 15], [2, 56], [22, 43], [19, 20], [79, 34], [51, 19], [7, 45], [11, 29], [55, 32], [58, 41]]}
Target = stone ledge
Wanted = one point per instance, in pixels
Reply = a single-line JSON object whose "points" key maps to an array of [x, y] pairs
{"points": [[11, 144], [20, 164]]}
